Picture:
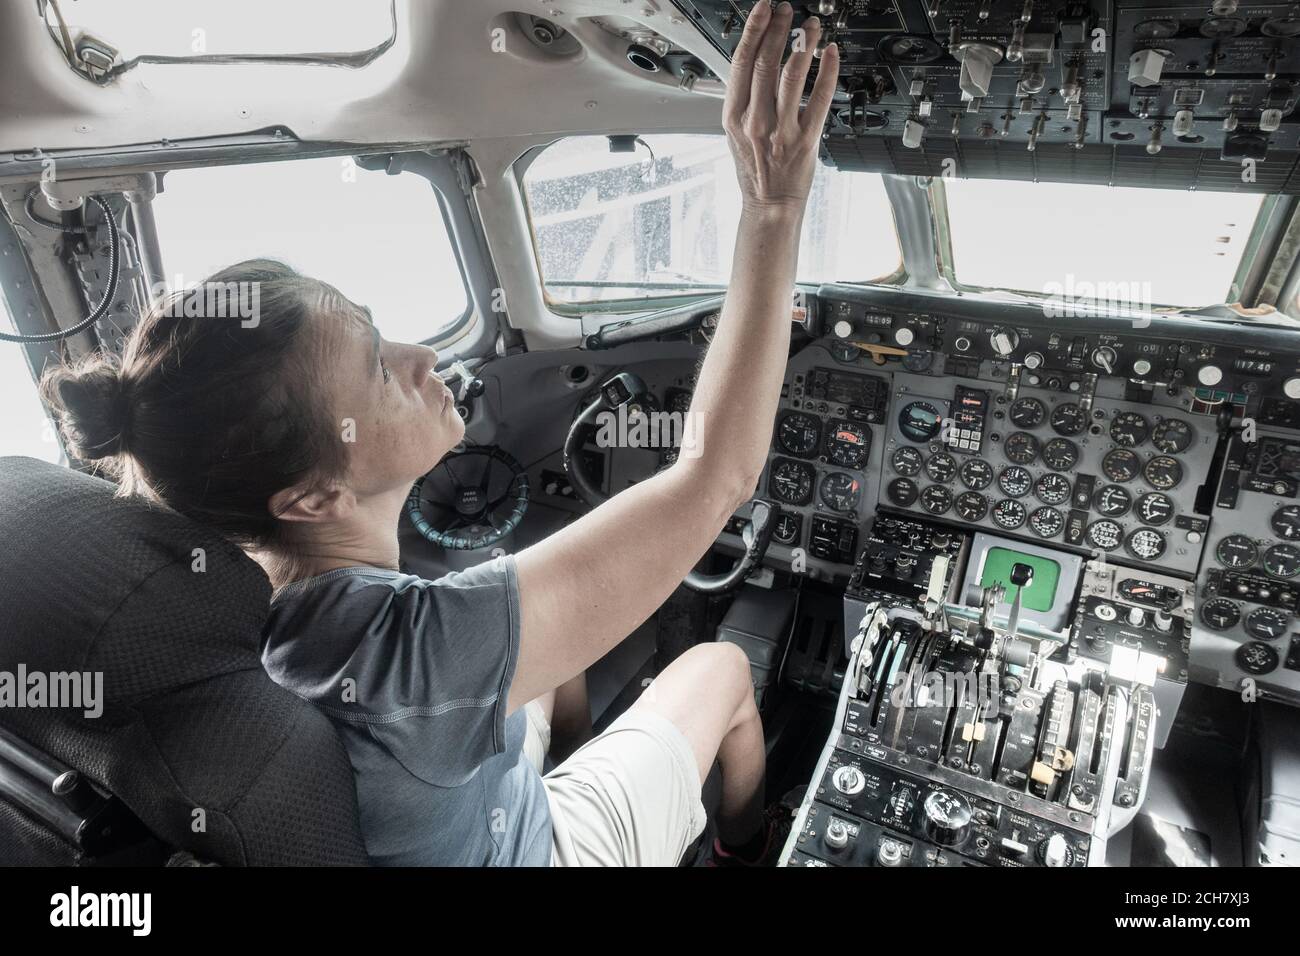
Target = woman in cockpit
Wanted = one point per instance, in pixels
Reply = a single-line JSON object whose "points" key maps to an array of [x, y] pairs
{"points": [[299, 434]]}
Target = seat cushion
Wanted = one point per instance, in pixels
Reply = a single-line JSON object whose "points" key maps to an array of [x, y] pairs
{"points": [[211, 754]]}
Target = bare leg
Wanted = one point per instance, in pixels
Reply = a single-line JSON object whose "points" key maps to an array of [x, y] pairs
{"points": [[570, 717], [708, 694]]}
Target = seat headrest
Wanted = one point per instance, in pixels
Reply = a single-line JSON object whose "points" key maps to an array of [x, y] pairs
{"points": [[93, 582]]}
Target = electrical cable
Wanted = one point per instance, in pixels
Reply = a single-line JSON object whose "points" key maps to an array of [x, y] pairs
{"points": [[114, 272]]}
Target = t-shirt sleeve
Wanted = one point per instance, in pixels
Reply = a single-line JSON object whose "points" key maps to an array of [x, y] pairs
{"points": [[431, 672]]}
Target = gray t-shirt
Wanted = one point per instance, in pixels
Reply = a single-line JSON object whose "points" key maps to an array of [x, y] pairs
{"points": [[415, 675]]}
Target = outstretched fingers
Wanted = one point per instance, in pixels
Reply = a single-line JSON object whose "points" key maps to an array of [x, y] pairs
{"points": [[819, 102], [796, 70], [740, 85]]}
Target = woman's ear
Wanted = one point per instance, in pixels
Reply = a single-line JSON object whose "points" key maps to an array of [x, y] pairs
{"points": [[311, 503]]}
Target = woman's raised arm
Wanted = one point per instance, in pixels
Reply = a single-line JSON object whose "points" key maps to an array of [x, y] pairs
{"points": [[589, 585]]}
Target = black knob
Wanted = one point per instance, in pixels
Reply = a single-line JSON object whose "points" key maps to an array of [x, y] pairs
{"points": [[946, 817]]}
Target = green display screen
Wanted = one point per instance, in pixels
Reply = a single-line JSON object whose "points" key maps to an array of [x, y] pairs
{"points": [[1041, 592]]}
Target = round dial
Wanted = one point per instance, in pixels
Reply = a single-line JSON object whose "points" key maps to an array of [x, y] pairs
{"points": [[1027, 412], [1162, 472], [1155, 508], [847, 444], [1021, 447], [1069, 419], [786, 529], [976, 474], [791, 481], [1145, 543], [1120, 464], [1052, 489], [936, 499], [907, 461], [1009, 513], [799, 434], [941, 467], [1286, 522], [1046, 522], [1112, 501], [971, 506], [840, 492], [1172, 435], [919, 421], [1256, 658], [1236, 551], [1219, 614], [1282, 561], [1015, 481], [1060, 454], [901, 492], [1105, 534], [1266, 624], [1129, 429]]}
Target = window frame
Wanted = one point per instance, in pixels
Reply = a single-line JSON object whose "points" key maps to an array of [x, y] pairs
{"points": [[618, 308]]}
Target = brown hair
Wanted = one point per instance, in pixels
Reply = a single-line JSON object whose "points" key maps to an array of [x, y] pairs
{"points": [[214, 408]]}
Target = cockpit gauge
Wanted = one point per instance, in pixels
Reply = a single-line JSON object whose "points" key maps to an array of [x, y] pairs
{"points": [[1155, 508], [1069, 419], [1236, 551], [1282, 561], [847, 444], [1060, 454], [971, 506], [791, 481], [1015, 481], [1162, 472], [919, 421], [1112, 501], [1129, 429], [1149, 593], [1052, 489], [1027, 413], [936, 499], [906, 461], [1046, 522], [1020, 447], [941, 467], [786, 529], [1219, 614], [1286, 522], [799, 434], [841, 492], [1256, 658], [901, 492], [1104, 534], [1172, 435], [1266, 624], [1120, 464], [1145, 543], [1009, 514], [976, 474]]}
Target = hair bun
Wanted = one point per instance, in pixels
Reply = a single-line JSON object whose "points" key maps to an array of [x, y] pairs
{"points": [[91, 404]]}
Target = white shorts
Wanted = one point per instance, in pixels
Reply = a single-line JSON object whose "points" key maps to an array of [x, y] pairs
{"points": [[628, 797]]}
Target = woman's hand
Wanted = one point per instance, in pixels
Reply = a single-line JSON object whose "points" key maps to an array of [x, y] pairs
{"points": [[773, 142]]}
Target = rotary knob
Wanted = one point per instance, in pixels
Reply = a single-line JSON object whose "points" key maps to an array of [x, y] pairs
{"points": [[946, 817], [843, 328], [1209, 375], [837, 834], [848, 780], [1055, 851], [1034, 360]]}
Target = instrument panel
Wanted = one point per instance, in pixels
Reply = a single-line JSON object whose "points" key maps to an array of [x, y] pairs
{"points": [[1126, 448]]}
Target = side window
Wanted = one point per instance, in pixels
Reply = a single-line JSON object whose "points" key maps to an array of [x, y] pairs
{"points": [[381, 240], [27, 430]]}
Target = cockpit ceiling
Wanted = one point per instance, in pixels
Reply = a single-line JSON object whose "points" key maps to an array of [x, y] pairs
{"points": [[456, 70]]}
